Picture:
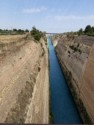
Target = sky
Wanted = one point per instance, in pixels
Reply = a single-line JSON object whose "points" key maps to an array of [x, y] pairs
{"points": [[56, 16]]}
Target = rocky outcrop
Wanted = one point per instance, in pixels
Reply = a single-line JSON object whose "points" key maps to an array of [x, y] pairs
{"points": [[76, 56], [24, 82]]}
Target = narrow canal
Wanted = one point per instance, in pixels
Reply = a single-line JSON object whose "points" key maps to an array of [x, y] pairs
{"points": [[63, 108]]}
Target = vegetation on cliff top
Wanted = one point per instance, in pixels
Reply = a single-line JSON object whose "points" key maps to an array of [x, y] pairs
{"points": [[13, 31], [89, 30], [37, 34]]}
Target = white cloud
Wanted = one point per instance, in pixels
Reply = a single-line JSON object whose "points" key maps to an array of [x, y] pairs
{"points": [[73, 17], [35, 10]]}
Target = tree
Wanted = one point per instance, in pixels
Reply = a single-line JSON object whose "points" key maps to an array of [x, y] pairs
{"points": [[36, 33], [80, 32], [88, 29], [15, 30], [93, 29], [0, 30], [26, 30], [20, 31]]}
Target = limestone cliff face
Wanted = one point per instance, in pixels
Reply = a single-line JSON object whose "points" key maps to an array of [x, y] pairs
{"points": [[76, 56], [24, 82], [87, 88]]}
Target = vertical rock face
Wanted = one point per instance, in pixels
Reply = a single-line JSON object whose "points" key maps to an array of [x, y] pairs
{"points": [[76, 56], [24, 82], [87, 88], [39, 106]]}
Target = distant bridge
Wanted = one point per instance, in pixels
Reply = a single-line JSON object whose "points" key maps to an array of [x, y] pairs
{"points": [[54, 33]]}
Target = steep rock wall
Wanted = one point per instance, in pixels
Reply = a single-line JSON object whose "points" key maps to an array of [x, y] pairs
{"points": [[22, 69], [87, 88], [75, 55]]}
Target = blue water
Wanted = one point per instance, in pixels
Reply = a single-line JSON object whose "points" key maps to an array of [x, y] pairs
{"points": [[63, 107]]}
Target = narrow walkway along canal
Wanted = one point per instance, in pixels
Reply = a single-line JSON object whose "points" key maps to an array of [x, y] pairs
{"points": [[63, 107]]}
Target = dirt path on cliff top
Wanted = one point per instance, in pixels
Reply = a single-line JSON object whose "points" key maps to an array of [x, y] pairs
{"points": [[15, 70]]}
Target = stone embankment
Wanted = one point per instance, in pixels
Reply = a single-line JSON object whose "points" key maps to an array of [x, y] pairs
{"points": [[76, 57], [24, 80]]}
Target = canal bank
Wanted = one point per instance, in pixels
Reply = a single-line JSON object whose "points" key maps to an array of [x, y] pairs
{"points": [[63, 107]]}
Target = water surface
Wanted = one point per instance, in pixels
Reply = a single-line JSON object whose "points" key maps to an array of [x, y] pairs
{"points": [[63, 106]]}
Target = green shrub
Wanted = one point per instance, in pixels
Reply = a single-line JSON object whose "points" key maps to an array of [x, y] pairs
{"points": [[36, 34], [76, 48]]}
